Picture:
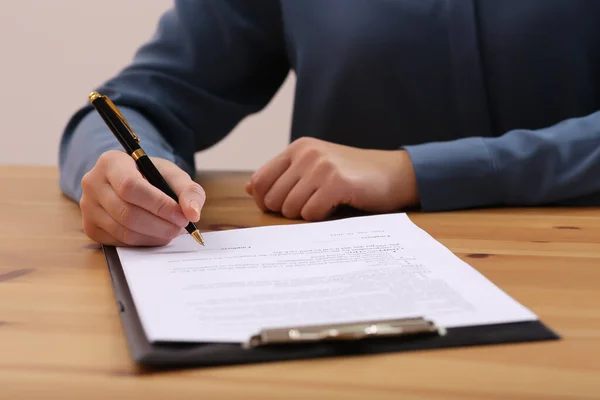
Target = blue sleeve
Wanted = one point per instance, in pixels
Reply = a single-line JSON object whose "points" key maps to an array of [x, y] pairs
{"points": [[557, 165], [209, 64]]}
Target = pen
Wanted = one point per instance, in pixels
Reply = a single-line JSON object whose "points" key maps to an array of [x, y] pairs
{"points": [[131, 143]]}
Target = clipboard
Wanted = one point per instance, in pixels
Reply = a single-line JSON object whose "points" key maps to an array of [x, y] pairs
{"points": [[308, 342]]}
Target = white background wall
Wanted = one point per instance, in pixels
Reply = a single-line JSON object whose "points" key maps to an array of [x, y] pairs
{"points": [[52, 53]]}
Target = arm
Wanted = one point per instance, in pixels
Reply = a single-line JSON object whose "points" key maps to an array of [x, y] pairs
{"points": [[210, 64], [556, 165]]}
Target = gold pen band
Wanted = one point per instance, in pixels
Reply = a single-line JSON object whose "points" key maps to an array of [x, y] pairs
{"points": [[139, 153]]}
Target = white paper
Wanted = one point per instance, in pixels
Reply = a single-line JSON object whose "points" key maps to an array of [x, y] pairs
{"points": [[354, 269]]}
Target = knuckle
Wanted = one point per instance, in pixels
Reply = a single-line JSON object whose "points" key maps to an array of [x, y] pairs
{"points": [[104, 158], [337, 181], [107, 157], [90, 180], [312, 214], [161, 206], [84, 204], [271, 202], [307, 214], [311, 154], [125, 235], [116, 230], [87, 181], [127, 215], [290, 209], [325, 167], [303, 142], [127, 187], [289, 212], [259, 185]]}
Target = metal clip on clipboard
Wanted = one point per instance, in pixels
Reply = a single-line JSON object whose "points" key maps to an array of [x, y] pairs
{"points": [[350, 331]]}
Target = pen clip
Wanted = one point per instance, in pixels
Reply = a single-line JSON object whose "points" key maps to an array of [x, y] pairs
{"points": [[94, 95]]}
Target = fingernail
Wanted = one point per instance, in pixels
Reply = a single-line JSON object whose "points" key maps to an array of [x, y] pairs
{"points": [[196, 206]]}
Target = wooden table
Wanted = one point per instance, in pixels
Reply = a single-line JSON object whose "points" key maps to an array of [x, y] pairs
{"points": [[60, 335]]}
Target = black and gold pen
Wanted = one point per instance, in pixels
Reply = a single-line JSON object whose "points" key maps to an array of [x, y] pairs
{"points": [[131, 143]]}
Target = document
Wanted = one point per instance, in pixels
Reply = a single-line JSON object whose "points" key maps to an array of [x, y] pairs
{"points": [[347, 270]]}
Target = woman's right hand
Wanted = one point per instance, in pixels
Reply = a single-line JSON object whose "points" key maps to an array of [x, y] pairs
{"points": [[121, 208]]}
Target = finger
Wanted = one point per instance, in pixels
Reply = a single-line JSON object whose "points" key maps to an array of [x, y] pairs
{"points": [[89, 211], [102, 237], [320, 205], [99, 235], [298, 196], [275, 197], [130, 185], [265, 177], [121, 234], [191, 195], [134, 217]]}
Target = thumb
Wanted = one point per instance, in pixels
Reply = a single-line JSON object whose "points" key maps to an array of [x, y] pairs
{"points": [[191, 195], [191, 200]]}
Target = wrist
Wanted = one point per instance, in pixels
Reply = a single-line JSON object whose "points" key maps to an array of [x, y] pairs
{"points": [[402, 180], [409, 178]]}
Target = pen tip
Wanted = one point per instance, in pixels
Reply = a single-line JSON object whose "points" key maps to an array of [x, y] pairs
{"points": [[198, 237]]}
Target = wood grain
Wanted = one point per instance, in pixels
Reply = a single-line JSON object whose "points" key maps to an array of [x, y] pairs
{"points": [[60, 335]]}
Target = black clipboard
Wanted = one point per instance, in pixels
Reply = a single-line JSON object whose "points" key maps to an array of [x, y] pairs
{"points": [[169, 355]]}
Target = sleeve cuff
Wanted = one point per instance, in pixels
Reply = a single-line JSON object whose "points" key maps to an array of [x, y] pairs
{"points": [[456, 174]]}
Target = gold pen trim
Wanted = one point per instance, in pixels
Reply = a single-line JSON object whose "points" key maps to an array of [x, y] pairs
{"points": [[139, 153], [95, 95]]}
